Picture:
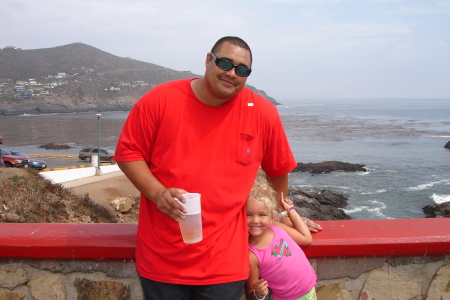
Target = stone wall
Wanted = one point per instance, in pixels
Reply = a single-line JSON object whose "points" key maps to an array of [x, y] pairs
{"points": [[70, 280], [383, 278], [420, 277]]}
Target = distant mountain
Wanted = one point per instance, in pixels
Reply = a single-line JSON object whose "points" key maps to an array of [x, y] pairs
{"points": [[78, 77]]}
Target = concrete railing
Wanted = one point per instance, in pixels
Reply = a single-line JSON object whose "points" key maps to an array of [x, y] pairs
{"points": [[366, 259], [66, 174]]}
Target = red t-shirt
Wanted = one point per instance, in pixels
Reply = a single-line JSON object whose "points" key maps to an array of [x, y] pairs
{"points": [[214, 151]]}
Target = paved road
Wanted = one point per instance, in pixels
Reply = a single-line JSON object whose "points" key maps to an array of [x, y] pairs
{"points": [[61, 161]]}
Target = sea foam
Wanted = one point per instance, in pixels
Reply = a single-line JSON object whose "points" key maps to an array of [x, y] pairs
{"points": [[428, 185], [380, 191], [375, 209], [439, 199]]}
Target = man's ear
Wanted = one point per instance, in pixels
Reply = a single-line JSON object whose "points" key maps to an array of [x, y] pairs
{"points": [[208, 59]]}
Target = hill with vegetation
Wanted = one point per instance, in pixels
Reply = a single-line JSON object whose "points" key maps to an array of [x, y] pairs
{"points": [[26, 197], [77, 77]]}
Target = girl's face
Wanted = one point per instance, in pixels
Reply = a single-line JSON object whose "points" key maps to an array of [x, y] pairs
{"points": [[259, 217]]}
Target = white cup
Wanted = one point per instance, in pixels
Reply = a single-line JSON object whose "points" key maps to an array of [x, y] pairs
{"points": [[191, 226]]}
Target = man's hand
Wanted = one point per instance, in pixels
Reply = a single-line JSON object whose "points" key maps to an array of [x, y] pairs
{"points": [[313, 227], [143, 179], [166, 203]]}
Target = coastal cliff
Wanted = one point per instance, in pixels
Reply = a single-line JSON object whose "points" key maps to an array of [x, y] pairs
{"points": [[78, 78]]}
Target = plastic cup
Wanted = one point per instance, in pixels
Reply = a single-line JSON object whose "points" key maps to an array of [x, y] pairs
{"points": [[191, 226]]}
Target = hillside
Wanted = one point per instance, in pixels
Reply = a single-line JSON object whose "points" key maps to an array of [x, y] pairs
{"points": [[26, 197], [77, 77]]}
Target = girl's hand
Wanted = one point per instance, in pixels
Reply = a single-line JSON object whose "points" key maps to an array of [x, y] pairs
{"points": [[261, 287], [286, 203]]}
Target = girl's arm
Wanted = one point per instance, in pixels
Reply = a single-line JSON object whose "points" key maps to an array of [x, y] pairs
{"points": [[280, 185], [253, 282], [300, 233]]}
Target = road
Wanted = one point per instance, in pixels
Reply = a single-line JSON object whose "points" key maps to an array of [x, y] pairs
{"points": [[61, 161]]}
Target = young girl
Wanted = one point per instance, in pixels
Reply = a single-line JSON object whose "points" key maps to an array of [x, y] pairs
{"points": [[276, 260]]}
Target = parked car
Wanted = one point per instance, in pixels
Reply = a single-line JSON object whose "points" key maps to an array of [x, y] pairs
{"points": [[11, 160], [105, 154], [35, 163]]}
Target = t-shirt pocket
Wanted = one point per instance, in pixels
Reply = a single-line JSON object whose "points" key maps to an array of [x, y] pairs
{"points": [[245, 150]]}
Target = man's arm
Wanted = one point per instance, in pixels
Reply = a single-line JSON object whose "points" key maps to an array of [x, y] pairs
{"points": [[143, 179], [280, 185]]}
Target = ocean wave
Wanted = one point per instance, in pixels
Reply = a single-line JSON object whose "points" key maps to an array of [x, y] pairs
{"points": [[376, 211], [355, 210], [46, 114], [439, 199], [341, 188], [362, 173], [380, 191], [428, 185]]}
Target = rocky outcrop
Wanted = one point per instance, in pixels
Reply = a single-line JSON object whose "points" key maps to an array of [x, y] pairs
{"points": [[437, 211], [447, 145], [123, 204], [319, 205], [54, 146], [328, 167]]}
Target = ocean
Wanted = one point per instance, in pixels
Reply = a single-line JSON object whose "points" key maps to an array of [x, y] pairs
{"points": [[401, 141]]}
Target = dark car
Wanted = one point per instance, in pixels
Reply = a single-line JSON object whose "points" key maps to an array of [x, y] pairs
{"points": [[105, 154], [35, 163], [11, 160]]}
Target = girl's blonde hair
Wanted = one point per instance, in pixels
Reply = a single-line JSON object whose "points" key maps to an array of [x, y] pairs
{"points": [[263, 192]]}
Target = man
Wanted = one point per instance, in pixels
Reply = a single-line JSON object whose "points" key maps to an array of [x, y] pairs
{"points": [[205, 135]]}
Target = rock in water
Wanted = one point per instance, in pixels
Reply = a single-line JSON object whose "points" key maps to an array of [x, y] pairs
{"points": [[319, 205], [441, 210], [328, 167]]}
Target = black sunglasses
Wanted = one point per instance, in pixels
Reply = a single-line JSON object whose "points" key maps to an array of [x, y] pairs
{"points": [[227, 66]]}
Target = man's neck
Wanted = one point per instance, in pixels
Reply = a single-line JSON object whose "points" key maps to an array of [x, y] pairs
{"points": [[202, 94]]}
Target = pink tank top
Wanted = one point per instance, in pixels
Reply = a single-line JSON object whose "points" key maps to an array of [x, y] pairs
{"points": [[285, 267]]}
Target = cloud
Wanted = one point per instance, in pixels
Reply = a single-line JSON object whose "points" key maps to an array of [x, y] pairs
{"points": [[299, 46]]}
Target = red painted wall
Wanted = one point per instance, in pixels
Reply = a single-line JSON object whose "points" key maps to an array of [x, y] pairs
{"points": [[399, 237]]}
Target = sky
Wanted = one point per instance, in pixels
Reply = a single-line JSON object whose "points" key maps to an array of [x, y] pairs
{"points": [[302, 49]]}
